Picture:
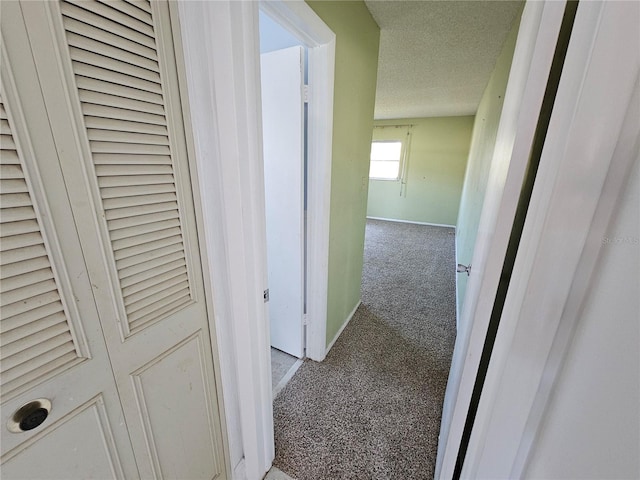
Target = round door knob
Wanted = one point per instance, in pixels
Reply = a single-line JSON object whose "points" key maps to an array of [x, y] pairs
{"points": [[29, 416]]}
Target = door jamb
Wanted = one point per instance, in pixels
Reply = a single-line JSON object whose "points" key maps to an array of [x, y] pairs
{"points": [[304, 24], [535, 46], [221, 84], [592, 142]]}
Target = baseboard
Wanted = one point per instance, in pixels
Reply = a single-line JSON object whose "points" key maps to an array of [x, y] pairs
{"points": [[412, 222], [287, 376], [344, 325]]}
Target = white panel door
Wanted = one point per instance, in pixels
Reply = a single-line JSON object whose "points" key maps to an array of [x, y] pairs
{"points": [[108, 78], [51, 342], [282, 75]]}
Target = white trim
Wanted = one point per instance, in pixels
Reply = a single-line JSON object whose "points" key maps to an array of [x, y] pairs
{"points": [[220, 46], [592, 141], [303, 23], [397, 220], [222, 82], [455, 248], [535, 47], [287, 376], [344, 325], [240, 471]]}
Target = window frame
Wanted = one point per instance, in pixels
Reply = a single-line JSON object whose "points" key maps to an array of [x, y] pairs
{"points": [[402, 141]]}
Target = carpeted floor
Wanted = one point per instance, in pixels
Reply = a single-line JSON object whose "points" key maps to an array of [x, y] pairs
{"points": [[372, 409]]}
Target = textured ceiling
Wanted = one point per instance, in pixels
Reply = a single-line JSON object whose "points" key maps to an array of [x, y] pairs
{"points": [[436, 57]]}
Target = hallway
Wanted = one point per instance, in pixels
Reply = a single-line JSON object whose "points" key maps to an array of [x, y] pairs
{"points": [[372, 409]]}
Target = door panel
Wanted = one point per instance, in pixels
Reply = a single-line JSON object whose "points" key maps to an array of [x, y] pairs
{"points": [[51, 345], [116, 82], [282, 121], [180, 369], [79, 445]]}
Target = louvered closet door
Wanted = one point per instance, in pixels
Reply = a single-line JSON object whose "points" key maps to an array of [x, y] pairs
{"points": [[128, 175], [51, 344]]}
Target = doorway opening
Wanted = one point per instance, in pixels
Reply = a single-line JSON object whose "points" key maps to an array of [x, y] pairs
{"points": [[296, 50]]}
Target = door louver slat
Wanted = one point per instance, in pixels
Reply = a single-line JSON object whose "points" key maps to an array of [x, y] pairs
{"points": [[137, 201], [44, 323], [107, 63], [19, 227], [112, 77], [134, 279], [9, 200], [7, 142], [35, 338], [149, 292], [39, 340], [113, 54], [134, 264], [10, 158], [141, 4], [23, 294], [24, 253], [37, 367], [146, 248], [107, 50], [13, 186], [125, 126], [93, 85], [131, 10], [139, 161], [22, 321], [159, 309], [129, 180], [128, 212], [51, 343], [98, 98], [20, 268], [145, 165], [141, 219], [162, 277], [156, 262], [129, 148], [108, 11], [100, 111], [145, 238], [17, 214], [15, 242], [108, 38], [16, 313], [25, 279], [98, 21]]}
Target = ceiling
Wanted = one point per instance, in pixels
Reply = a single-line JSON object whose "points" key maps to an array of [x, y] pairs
{"points": [[436, 57]]}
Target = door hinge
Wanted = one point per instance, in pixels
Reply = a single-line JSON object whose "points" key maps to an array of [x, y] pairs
{"points": [[306, 93], [464, 269], [305, 319], [265, 295]]}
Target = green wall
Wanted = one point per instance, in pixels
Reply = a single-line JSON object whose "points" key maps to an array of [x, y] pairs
{"points": [[483, 140], [357, 37], [437, 159]]}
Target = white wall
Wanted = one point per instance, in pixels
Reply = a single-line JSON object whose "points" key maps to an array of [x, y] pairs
{"points": [[592, 423]]}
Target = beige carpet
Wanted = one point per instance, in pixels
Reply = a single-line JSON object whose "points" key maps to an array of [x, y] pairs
{"points": [[372, 409]]}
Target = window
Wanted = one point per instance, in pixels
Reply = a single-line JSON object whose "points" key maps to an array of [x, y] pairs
{"points": [[385, 160]]}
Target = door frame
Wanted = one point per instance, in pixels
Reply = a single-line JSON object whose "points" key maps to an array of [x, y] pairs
{"points": [[594, 135], [218, 46], [592, 142], [303, 23], [535, 46]]}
